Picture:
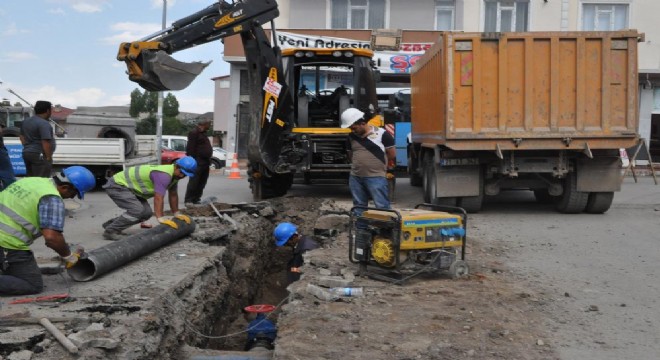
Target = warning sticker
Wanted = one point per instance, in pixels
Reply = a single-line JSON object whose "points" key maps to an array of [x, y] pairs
{"points": [[273, 87]]}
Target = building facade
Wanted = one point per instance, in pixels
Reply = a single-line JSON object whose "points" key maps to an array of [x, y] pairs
{"points": [[420, 21]]}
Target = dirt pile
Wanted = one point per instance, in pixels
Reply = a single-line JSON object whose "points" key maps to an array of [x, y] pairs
{"points": [[486, 315]]}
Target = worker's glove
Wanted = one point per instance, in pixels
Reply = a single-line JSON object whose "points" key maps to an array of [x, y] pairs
{"points": [[168, 221], [389, 176], [182, 217], [71, 260]]}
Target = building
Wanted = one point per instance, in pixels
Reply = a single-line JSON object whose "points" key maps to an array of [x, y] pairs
{"points": [[420, 21]]}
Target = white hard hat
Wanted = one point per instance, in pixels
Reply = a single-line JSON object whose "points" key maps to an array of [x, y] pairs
{"points": [[349, 116]]}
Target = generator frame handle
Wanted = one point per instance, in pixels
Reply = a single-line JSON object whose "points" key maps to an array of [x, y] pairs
{"points": [[452, 210], [351, 240]]}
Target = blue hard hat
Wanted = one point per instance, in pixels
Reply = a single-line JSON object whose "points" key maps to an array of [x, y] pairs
{"points": [[188, 165], [283, 232], [81, 178]]}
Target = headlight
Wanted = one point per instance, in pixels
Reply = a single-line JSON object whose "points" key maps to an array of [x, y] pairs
{"points": [[348, 54], [309, 54]]}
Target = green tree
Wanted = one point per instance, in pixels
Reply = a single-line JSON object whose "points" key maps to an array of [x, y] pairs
{"points": [[137, 103], [146, 126], [147, 101], [170, 105]]}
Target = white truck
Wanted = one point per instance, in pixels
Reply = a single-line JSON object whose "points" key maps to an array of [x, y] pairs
{"points": [[100, 139]]}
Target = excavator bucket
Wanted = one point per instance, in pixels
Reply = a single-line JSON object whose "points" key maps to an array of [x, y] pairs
{"points": [[161, 72]]}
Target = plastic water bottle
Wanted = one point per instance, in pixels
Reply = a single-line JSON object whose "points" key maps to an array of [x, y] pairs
{"points": [[347, 291]]}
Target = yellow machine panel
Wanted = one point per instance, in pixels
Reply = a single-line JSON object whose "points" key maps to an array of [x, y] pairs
{"points": [[423, 229]]}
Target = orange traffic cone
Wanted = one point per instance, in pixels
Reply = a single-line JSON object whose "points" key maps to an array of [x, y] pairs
{"points": [[234, 171]]}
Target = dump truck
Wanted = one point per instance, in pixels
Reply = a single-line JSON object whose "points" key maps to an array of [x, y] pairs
{"points": [[296, 95], [543, 111]]}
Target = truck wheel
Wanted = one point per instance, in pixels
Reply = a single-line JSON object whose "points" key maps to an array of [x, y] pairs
{"points": [[571, 201], [599, 202], [428, 179], [415, 178]]}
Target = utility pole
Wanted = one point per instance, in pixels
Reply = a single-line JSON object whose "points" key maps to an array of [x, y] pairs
{"points": [[159, 112]]}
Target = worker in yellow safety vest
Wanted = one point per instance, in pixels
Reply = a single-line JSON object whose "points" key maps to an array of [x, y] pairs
{"points": [[29, 208], [131, 189]]}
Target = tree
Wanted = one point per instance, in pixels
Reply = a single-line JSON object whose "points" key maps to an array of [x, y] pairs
{"points": [[137, 103], [148, 102]]}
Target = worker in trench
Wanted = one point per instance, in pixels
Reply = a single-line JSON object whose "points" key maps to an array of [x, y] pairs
{"points": [[32, 207], [286, 234], [131, 189]]}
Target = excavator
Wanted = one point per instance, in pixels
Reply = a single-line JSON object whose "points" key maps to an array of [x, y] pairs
{"points": [[296, 95]]}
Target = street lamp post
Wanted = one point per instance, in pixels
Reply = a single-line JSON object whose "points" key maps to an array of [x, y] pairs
{"points": [[159, 112]]}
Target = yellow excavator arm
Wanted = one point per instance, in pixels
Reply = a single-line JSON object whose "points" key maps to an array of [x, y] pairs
{"points": [[148, 61]]}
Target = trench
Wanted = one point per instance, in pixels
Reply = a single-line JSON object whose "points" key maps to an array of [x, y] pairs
{"points": [[204, 317]]}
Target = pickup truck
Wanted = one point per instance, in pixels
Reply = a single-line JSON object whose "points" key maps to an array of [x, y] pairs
{"points": [[102, 156]]}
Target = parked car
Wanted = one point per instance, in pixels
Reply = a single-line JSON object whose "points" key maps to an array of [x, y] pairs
{"points": [[178, 143], [219, 159], [175, 142], [168, 156]]}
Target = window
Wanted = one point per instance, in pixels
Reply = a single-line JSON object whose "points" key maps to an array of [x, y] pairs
{"points": [[604, 17], [506, 15], [444, 15], [358, 14]]}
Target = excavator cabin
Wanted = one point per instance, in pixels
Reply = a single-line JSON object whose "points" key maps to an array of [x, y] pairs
{"points": [[327, 82]]}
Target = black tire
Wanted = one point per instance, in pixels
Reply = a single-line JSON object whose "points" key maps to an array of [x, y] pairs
{"points": [[571, 201], [391, 188], [217, 164], [11, 131], [416, 179], [599, 202], [428, 179]]}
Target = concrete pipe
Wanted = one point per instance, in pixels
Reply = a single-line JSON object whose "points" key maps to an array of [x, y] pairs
{"points": [[107, 258]]}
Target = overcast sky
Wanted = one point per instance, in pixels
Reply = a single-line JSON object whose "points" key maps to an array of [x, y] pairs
{"points": [[65, 50]]}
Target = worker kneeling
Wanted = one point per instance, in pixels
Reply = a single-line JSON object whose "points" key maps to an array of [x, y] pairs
{"points": [[287, 234], [131, 189], [32, 207]]}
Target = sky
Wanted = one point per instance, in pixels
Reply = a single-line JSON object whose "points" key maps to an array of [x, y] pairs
{"points": [[64, 51]]}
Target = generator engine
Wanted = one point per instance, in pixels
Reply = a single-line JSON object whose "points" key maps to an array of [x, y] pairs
{"points": [[408, 240]]}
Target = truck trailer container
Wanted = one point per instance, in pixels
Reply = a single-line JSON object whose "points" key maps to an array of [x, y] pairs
{"points": [[544, 111]]}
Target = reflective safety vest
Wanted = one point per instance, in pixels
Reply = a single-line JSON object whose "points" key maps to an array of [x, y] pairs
{"points": [[19, 211], [137, 178]]}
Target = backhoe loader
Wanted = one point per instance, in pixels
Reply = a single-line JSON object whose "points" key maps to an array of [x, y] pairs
{"points": [[296, 95]]}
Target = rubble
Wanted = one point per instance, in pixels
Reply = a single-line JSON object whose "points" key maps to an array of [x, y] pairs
{"points": [[175, 307]]}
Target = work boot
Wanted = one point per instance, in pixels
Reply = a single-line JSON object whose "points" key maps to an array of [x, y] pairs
{"points": [[105, 224], [113, 235]]}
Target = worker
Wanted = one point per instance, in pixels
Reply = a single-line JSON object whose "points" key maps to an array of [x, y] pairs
{"points": [[131, 188], [38, 141], [286, 234], [32, 207], [372, 152]]}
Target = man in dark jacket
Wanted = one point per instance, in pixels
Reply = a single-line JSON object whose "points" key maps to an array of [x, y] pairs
{"points": [[199, 147]]}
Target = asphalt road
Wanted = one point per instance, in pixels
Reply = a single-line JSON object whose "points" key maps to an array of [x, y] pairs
{"points": [[597, 273]]}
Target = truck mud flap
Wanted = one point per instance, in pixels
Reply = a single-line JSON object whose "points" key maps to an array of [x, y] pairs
{"points": [[600, 174], [161, 72], [457, 181]]}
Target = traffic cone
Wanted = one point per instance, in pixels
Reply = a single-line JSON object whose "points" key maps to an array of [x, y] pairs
{"points": [[234, 171]]}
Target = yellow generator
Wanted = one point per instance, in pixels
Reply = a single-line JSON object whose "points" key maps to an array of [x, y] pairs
{"points": [[406, 242]]}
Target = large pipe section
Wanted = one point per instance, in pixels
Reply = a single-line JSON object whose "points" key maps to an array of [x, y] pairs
{"points": [[107, 258]]}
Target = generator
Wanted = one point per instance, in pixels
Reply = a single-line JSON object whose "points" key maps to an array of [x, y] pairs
{"points": [[395, 245]]}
